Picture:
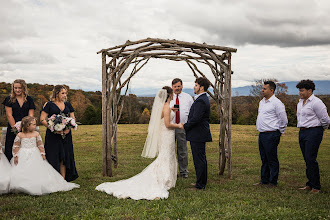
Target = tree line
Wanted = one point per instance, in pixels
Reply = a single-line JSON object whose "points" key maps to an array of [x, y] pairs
{"points": [[137, 110]]}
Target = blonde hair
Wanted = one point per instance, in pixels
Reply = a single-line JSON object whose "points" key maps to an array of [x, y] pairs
{"points": [[26, 121], [24, 90], [57, 89]]}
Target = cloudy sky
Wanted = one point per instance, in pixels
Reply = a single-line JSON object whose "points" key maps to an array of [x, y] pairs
{"points": [[55, 41]]}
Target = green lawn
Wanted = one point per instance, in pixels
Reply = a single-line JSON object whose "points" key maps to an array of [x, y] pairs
{"points": [[223, 198]]}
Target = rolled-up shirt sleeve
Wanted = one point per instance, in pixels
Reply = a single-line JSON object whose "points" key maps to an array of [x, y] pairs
{"points": [[281, 115], [322, 114]]}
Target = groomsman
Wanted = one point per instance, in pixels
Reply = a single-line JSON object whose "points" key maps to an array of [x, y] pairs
{"points": [[184, 101], [313, 119], [271, 123]]}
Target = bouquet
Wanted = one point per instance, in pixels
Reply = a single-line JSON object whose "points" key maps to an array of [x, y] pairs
{"points": [[60, 123], [16, 128]]}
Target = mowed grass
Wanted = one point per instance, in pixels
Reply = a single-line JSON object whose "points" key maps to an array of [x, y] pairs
{"points": [[223, 198]]}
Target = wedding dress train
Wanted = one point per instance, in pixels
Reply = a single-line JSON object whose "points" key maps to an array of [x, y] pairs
{"points": [[5, 170], [156, 179]]}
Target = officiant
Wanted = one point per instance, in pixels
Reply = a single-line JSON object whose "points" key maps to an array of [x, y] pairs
{"points": [[181, 104]]}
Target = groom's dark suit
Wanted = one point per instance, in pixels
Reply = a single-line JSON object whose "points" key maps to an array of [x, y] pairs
{"points": [[198, 132]]}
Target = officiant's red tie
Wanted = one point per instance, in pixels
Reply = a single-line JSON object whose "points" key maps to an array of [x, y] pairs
{"points": [[177, 116]]}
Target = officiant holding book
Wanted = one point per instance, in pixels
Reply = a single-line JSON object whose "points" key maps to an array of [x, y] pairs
{"points": [[181, 104]]}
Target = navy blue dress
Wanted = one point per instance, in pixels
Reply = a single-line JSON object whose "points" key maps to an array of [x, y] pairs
{"points": [[18, 114], [59, 149]]}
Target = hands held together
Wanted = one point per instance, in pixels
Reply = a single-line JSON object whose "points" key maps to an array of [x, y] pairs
{"points": [[65, 131], [181, 126]]}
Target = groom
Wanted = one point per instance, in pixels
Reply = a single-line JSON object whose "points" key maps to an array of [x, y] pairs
{"points": [[198, 130]]}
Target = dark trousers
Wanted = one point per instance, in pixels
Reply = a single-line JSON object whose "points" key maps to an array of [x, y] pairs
{"points": [[309, 141], [268, 142], [200, 163]]}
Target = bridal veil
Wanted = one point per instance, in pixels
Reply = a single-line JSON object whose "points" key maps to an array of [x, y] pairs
{"points": [[151, 146]]}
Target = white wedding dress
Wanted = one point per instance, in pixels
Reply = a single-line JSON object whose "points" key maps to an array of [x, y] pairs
{"points": [[5, 170], [156, 179], [33, 175]]}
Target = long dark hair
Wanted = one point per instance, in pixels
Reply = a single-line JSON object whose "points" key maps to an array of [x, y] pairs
{"points": [[169, 91]]}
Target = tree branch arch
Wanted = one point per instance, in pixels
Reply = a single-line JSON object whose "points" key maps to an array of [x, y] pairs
{"points": [[138, 53]]}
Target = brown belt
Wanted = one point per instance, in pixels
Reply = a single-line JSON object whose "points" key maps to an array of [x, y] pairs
{"points": [[303, 129]]}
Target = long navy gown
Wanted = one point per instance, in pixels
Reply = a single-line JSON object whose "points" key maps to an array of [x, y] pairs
{"points": [[59, 149], [18, 114]]}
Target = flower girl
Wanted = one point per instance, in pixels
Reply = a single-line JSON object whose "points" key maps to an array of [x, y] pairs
{"points": [[31, 173], [4, 172]]}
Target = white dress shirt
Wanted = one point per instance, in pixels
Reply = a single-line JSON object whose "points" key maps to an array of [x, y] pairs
{"points": [[312, 114], [185, 102], [196, 96], [271, 115]]}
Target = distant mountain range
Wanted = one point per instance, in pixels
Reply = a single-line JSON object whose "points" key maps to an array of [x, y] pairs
{"points": [[322, 88]]}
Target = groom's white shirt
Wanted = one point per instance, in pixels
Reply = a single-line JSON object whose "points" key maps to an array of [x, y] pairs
{"points": [[196, 96], [185, 101]]}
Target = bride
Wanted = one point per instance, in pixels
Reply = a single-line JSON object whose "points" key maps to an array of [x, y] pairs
{"points": [[157, 178]]}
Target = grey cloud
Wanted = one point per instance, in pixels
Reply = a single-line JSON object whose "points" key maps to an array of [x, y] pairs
{"points": [[14, 24], [71, 32], [11, 56], [284, 24], [6, 50]]}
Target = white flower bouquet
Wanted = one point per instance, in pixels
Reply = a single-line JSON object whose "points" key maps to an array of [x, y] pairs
{"points": [[16, 128], [61, 122]]}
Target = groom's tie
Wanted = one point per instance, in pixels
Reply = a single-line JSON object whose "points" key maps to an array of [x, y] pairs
{"points": [[177, 116]]}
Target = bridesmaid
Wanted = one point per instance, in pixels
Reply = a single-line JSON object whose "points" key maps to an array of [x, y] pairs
{"points": [[59, 151], [17, 105]]}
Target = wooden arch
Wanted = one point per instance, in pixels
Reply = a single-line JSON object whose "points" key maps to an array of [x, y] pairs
{"points": [[138, 53]]}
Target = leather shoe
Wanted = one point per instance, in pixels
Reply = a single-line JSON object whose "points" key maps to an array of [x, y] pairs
{"points": [[315, 191], [192, 184], [195, 189], [260, 184], [306, 188]]}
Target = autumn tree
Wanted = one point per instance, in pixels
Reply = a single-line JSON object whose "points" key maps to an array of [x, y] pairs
{"points": [[90, 116], [214, 114], [131, 110], [79, 102], [145, 116]]}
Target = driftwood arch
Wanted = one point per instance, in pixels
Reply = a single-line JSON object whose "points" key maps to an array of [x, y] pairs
{"points": [[138, 53]]}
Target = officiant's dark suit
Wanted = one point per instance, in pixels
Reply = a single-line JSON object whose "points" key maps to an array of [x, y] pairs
{"points": [[198, 132]]}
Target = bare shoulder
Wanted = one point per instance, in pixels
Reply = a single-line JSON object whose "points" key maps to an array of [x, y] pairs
{"points": [[35, 134]]}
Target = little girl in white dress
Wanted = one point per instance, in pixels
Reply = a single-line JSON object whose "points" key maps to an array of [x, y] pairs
{"points": [[31, 173], [5, 169]]}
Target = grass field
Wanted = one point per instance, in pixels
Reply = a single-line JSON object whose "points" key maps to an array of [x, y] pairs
{"points": [[223, 198]]}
